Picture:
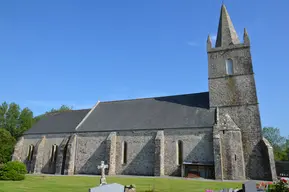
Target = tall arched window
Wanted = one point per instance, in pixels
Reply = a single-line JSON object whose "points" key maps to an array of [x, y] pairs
{"points": [[124, 152], [53, 153], [30, 152], [229, 67], [179, 152]]}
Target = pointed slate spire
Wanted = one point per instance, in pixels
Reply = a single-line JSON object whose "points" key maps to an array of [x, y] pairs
{"points": [[246, 37], [226, 31], [209, 43]]}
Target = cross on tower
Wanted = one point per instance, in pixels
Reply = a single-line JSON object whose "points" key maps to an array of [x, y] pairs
{"points": [[102, 166]]}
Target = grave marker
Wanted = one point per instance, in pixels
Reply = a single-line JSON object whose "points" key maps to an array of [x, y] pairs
{"points": [[102, 166]]}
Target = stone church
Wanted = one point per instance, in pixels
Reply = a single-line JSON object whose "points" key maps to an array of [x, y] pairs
{"points": [[215, 134]]}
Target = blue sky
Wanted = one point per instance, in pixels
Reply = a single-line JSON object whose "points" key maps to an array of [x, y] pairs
{"points": [[78, 52]]}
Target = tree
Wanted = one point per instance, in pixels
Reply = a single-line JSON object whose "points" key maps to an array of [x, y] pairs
{"points": [[7, 143], [61, 109], [25, 121], [273, 135], [3, 110], [15, 120], [278, 142]]}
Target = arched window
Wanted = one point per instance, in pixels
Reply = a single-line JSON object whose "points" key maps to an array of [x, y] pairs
{"points": [[229, 67], [179, 152], [30, 152], [124, 152], [53, 153]]}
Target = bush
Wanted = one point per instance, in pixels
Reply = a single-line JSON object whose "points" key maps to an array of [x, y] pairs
{"points": [[281, 186], [13, 170]]}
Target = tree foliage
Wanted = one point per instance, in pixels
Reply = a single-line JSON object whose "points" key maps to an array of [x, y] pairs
{"points": [[15, 120], [61, 109], [53, 110], [6, 145], [279, 143]]}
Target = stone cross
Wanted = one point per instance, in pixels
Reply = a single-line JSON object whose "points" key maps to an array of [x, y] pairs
{"points": [[102, 166]]}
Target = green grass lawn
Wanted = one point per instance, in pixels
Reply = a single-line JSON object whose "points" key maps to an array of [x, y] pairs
{"points": [[82, 184]]}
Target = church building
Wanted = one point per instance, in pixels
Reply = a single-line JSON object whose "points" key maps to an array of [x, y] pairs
{"points": [[215, 134]]}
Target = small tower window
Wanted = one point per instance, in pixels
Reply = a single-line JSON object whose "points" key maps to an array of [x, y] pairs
{"points": [[124, 152], [229, 67], [179, 152]]}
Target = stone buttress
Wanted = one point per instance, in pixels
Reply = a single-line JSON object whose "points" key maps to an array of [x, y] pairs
{"points": [[18, 150], [61, 156], [111, 153], [159, 169], [228, 150], [70, 156], [37, 159]]}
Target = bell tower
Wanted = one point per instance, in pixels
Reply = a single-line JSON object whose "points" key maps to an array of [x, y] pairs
{"points": [[232, 92]]}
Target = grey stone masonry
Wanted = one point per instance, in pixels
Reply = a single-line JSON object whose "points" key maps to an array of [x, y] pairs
{"points": [[111, 152], [269, 150], [37, 159], [61, 156], [159, 154], [70, 156], [226, 32], [218, 155], [233, 91], [18, 150], [246, 38], [232, 150]]}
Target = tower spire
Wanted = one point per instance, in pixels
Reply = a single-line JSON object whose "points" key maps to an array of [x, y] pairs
{"points": [[226, 31]]}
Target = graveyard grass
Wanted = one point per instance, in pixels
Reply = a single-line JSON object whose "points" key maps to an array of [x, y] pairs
{"points": [[83, 183]]}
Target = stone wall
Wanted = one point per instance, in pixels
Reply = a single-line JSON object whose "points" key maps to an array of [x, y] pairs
{"points": [[46, 166], [144, 151], [90, 151], [197, 146], [140, 153]]}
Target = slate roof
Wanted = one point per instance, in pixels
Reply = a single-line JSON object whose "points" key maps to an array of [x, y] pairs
{"points": [[179, 111], [64, 122]]}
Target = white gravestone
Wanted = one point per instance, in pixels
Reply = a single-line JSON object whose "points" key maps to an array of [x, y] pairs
{"points": [[114, 187], [249, 186]]}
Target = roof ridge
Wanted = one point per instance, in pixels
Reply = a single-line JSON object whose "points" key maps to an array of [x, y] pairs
{"points": [[145, 98]]}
